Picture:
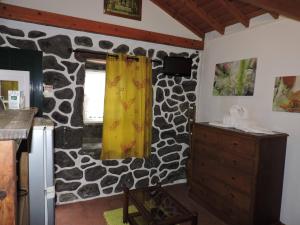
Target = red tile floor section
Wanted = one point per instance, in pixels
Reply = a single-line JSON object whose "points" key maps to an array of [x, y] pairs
{"points": [[91, 212]]}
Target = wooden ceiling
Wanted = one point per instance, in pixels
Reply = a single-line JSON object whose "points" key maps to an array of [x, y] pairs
{"points": [[202, 16]]}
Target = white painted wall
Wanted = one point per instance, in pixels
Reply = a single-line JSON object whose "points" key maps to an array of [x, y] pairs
{"points": [[277, 47], [153, 18]]}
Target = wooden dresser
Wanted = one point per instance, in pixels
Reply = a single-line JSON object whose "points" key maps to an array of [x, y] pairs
{"points": [[237, 176]]}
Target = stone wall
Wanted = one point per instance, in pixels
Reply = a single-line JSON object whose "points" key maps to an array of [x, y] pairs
{"points": [[79, 173]]}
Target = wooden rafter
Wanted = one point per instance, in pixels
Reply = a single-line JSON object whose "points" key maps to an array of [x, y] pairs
{"points": [[176, 15], [196, 9], [57, 20], [233, 10], [288, 8]]}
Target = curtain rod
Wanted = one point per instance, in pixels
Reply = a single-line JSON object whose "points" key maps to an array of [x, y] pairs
{"points": [[107, 54]]}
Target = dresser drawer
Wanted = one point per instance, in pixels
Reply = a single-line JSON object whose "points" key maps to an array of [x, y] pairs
{"points": [[221, 207], [243, 146], [205, 136], [225, 158], [229, 194], [235, 178]]}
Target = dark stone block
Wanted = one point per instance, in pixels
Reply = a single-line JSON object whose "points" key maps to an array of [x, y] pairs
{"points": [[162, 83], [88, 165], [95, 153], [63, 160], [177, 80], [170, 141], [167, 92], [168, 134], [180, 98], [140, 173], [183, 162], [136, 163], [174, 176], [66, 93], [170, 83], [70, 174], [171, 102], [154, 180], [194, 55], [169, 149], [170, 119], [151, 52], [189, 85], [109, 180], [181, 54], [180, 120], [68, 197], [83, 41], [127, 160], [58, 80], [159, 95], [155, 73], [139, 51], [142, 183], [110, 162], [169, 166], [106, 44], [36, 34], [11, 31], [183, 138], [163, 174], [161, 54], [121, 49], [162, 123], [108, 190], [194, 67], [67, 138], [95, 173], [73, 154], [153, 171], [72, 78], [197, 60], [155, 135], [157, 63], [71, 67], [191, 97], [23, 44], [194, 75], [77, 117], [161, 144], [177, 89], [180, 129], [62, 186], [2, 41], [154, 160], [171, 157], [156, 110], [60, 118], [88, 191], [166, 108], [59, 45], [184, 106], [118, 170], [80, 76], [50, 62], [85, 159], [126, 180], [48, 104], [65, 107]]}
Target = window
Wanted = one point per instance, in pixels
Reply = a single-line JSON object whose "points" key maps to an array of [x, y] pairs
{"points": [[94, 90]]}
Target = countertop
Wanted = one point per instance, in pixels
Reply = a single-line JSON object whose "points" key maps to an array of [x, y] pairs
{"points": [[16, 124]]}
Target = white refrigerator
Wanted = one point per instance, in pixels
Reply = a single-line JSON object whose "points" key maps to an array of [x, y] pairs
{"points": [[41, 174]]}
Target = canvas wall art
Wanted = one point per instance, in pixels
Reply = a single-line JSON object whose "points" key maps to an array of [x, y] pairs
{"points": [[131, 9], [235, 78], [287, 94]]}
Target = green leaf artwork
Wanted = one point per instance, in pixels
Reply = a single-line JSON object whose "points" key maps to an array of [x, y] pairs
{"points": [[287, 94], [235, 78]]}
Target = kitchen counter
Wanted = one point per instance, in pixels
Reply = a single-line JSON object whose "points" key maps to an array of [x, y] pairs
{"points": [[16, 124]]}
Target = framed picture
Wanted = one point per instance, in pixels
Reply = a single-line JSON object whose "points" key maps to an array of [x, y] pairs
{"points": [[131, 9]]}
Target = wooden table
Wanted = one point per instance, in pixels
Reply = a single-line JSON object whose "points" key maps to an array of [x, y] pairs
{"points": [[155, 207], [15, 125]]}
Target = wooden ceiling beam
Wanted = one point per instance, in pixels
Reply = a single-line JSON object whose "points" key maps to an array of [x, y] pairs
{"points": [[234, 11], [288, 8], [196, 9], [176, 15], [57, 20]]}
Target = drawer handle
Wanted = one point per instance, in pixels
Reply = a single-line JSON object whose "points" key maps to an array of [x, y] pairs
{"points": [[2, 195]]}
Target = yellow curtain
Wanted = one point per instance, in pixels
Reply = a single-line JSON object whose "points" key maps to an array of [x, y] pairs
{"points": [[127, 121]]}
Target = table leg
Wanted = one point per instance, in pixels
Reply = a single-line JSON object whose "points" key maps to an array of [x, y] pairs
{"points": [[195, 220], [125, 206]]}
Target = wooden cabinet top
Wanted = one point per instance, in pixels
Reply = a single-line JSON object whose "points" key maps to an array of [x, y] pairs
{"points": [[16, 124], [240, 132]]}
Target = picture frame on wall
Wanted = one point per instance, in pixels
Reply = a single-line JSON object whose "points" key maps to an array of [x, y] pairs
{"points": [[131, 9]]}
